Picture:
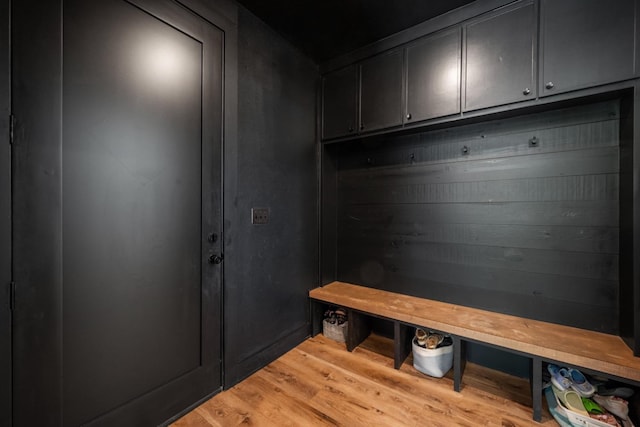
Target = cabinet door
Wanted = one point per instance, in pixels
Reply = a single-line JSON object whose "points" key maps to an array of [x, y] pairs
{"points": [[381, 92], [433, 76], [339, 102], [586, 43], [500, 49]]}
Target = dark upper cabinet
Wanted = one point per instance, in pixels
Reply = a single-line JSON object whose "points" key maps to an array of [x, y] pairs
{"points": [[586, 43], [339, 102], [433, 76], [489, 61], [500, 51], [381, 91]]}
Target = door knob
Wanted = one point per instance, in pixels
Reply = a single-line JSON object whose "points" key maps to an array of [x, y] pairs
{"points": [[215, 259]]}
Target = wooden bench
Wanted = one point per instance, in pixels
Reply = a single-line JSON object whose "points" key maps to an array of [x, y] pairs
{"points": [[592, 352]]}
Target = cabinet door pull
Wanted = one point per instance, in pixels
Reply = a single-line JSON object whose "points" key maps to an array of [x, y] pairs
{"points": [[549, 85], [526, 91], [215, 259], [409, 116]]}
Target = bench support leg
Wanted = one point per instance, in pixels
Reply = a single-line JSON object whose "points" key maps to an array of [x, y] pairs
{"points": [[459, 361], [402, 335], [536, 387], [359, 329], [317, 312]]}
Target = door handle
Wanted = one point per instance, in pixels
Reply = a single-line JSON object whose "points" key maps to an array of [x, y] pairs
{"points": [[215, 259]]}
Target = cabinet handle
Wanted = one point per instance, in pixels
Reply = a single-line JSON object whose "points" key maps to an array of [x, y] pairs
{"points": [[549, 85], [361, 126], [526, 91], [350, 128], [409, 116]]}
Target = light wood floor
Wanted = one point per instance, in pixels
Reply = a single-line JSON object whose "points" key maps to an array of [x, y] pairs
{"points": [[319, 383]]}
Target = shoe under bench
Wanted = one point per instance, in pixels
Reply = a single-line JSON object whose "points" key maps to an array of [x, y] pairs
{"points": [[541, 342]]}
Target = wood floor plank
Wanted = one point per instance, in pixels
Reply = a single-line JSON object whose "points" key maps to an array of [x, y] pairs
{"points": [[280, 407], [227, 409], [293, 381], [337, 394], [367, 398], [437, 393], [195, 419], [320, 383]]}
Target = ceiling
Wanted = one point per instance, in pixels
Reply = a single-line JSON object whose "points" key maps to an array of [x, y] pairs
{"points": [[324, 29]]}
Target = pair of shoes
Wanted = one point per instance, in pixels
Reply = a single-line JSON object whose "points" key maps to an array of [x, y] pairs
{"points": [[564, 379], [338, 316], [616, 405], [431, 340]]}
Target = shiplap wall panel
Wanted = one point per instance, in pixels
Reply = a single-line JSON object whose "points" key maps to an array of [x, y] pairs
{"points": [[526, 230]]}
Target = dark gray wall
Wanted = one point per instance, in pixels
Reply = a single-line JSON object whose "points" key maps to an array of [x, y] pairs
{"points": [[529, 231], [270, 268], [5, 218]]}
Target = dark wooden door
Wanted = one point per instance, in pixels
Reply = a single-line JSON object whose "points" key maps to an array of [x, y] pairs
{"points": [[117, 211], [339, 102], [381, 91], [499, 51], [433, 76], [586, 43]]}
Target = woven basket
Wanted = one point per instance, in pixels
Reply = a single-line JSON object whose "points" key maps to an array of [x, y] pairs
{"points": [[334, 331]]}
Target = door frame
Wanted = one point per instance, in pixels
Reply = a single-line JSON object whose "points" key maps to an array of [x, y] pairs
{"points": [[224, 14], [5, 215], [44, 42]]}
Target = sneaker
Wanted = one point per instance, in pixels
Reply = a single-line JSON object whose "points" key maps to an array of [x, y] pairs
{"points": [[580, 384], [623, 392], [559, 377]]}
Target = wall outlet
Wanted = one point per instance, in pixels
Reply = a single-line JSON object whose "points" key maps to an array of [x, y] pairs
{"points": [[259, 215]]}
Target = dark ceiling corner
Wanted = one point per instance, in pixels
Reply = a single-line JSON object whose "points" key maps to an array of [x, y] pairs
{"points": [[325, 29]]}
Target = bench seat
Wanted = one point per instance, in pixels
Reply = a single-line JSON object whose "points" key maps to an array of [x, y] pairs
{"points": [[541, 341]]}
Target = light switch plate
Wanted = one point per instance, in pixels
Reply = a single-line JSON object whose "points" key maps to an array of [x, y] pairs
{"points": [[259, 215]]}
